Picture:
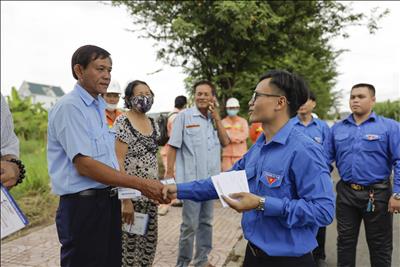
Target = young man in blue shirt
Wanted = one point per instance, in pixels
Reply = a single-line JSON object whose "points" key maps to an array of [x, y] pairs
{"points": [[318, 131], [366, 148], [82, 167], [291, 192]]}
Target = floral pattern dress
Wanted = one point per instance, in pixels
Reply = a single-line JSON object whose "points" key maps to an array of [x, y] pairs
{"points": [[140, 160]]}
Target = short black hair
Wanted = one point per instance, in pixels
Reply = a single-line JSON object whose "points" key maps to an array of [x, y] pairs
{"points": [[370, 87], [213, 90], [312, 96], [180, 101], [86, 54], [293, 86], [129, 92]]}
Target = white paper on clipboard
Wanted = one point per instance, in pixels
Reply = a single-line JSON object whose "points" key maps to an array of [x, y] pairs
{"points": [[12, 218]]}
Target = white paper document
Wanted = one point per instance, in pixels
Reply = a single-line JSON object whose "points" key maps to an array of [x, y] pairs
{"points": [[139, 226], [12, 219], [227, 183], [128, 193]]}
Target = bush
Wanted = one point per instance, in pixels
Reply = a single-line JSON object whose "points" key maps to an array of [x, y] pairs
{"points": [[388, 109]]}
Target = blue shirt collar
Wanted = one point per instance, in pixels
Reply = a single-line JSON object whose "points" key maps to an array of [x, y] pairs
{"points": [[87, 98], [280, 137], [350, 119], [296, 120]]}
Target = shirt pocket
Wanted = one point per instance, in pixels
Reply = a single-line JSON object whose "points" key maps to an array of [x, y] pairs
{"points": [[100, 144], [373, 142], [271, 183], [193, 134]]}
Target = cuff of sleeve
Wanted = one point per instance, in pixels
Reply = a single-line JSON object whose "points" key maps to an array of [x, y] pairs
{"points": [[183, 191], [273, 206], [396, 188]]}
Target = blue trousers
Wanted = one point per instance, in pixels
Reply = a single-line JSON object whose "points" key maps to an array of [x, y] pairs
{"points": [[89, 230], [196, 224]]}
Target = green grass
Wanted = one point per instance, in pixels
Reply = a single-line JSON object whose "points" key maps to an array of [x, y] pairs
{"points": [[34, 195]]}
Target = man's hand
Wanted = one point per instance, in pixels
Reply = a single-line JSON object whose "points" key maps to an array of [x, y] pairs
{"points": [[169, 191], [214, 111], [9, 174], [127, 211], [153, 190], [242, 201], [394, 205]]}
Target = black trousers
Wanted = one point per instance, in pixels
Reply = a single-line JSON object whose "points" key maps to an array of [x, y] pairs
{"points": [[89, 230], [255, 257], [350, 211], [319, 252]]}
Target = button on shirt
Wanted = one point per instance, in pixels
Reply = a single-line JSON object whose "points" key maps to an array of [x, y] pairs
{"points": [[365, 154], [316, 129], [9, 141], [198, 147], [77, 125], [290, 171]]}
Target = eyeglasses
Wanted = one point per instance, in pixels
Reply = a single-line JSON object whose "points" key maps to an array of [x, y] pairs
{"points": [[257, 94]]}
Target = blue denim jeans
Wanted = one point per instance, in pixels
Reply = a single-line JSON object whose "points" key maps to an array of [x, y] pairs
{"points": [[196, 222]]}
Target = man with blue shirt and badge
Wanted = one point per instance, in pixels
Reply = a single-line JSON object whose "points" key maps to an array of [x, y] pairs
{"points": [[195, 146], [366, 148], [319, 131], [83, 167], [291, 193]]}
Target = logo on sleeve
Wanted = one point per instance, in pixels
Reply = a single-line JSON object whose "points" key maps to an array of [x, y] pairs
{"points": [[271, 180]]}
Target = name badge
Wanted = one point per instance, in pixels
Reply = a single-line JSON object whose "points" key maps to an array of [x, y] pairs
{"points": [[192, 125], [371, 137], [167, 181]]}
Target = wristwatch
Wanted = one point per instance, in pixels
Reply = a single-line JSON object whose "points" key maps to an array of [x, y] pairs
{"points": [[396, 196], [261, 203]]}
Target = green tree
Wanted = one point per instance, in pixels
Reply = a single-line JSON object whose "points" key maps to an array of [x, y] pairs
{"points": [[233, 42], [30, 120], [388, 109]]}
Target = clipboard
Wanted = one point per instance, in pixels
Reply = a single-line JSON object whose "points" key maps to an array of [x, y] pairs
{"points": [[12, 218]]}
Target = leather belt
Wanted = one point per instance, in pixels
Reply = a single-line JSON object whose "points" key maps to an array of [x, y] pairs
{"points": [[103, 192], [357, 187]]}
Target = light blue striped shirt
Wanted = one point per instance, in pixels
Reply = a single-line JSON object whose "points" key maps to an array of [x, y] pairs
{"points": [[9, 141], [77, 125], [198, 147]]}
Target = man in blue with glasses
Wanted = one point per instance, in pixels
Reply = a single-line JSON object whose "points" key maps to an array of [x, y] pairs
{"points": [[291, 192]]}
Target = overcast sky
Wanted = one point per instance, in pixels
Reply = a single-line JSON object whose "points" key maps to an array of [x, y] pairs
{"points": [[39, 38]]}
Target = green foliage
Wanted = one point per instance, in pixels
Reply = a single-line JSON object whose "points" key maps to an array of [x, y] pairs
{"points": [[30, 120], [233, 42], [388, 109]]}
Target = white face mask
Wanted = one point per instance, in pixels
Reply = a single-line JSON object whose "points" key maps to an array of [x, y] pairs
{"points": [[111, 107]]}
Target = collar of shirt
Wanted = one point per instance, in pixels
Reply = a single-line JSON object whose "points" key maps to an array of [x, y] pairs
{"points": [[196, 112], [280, 137], [296, 120], [89, 99], [350, 118]]}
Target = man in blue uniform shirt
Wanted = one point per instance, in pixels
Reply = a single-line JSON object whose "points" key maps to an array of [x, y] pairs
{"points": [[366, 147], [291, 189], [82, 166], [319, 131]]}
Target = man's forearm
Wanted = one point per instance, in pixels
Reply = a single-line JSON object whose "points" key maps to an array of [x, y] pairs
{"points": [[171, 159], [104, 174]]}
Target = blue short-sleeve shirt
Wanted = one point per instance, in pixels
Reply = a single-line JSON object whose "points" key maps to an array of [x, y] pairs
{"points": [[198, 146], [77, 125]]}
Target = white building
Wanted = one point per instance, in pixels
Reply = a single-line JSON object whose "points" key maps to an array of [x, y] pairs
{"points": [[48, 95]]}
